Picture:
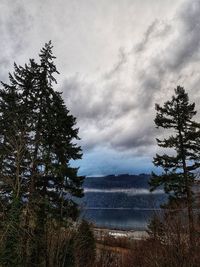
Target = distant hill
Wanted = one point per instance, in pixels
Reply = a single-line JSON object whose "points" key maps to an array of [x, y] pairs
{"points": [[120, 191], [122, 181]]}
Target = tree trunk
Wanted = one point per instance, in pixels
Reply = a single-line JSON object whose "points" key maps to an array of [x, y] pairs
{"points": [[188, 193]]}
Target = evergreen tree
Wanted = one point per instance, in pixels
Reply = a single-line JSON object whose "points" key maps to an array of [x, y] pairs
{"points": [[13, 171], [84, 246], [37, 136], [179, 165]]}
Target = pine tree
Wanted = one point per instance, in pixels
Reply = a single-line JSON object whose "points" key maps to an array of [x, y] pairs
{"points": [[37, 143], [85, 250], [179, 165]]}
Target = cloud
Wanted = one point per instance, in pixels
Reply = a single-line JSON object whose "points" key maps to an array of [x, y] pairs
{"points": [[122, 59], [166, 57], [147, 36], [111, 73], [185, 47], [116, 109], [11, 34], [129, 192]]}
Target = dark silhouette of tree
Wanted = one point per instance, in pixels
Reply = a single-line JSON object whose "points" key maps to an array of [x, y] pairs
{"points": [[14, 167], [84, 247], [37, 142], [156, 228], [178, 165]]}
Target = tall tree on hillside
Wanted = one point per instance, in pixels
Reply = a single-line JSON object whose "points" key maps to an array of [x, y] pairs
{"points": [[37, 136], [178, 176], [52, 177]]}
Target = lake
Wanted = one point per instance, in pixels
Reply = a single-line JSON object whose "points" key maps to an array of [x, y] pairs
{"points": [[120, 201], [118, 218]]}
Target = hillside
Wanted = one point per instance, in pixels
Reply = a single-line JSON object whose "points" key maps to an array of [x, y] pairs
{"points": [[117, 181], [121, 191]]}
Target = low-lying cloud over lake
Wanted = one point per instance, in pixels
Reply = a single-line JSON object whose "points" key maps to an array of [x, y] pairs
{"points": [[130, 191]]}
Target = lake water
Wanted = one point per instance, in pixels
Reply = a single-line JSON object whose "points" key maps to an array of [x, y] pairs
{"points": [[121, 202], [127, 219]]}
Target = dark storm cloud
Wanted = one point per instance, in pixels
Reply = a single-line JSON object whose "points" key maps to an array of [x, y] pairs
{"points": [[186, 47], [106, 123], [86, 99], [96, 101], [115, 89], [116, 109], [130, 139], [173, 51]]}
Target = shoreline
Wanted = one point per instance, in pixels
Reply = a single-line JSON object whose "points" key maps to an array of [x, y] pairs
{"points": [[116, 233]]}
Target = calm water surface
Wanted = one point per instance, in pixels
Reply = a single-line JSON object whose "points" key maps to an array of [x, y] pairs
{"points": [[119, 218]]}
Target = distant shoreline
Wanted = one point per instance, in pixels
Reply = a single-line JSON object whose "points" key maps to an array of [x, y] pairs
{"points": [[117, 233]]}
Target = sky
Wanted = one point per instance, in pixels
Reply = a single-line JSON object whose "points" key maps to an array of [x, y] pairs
{"points": [[116, 59]]}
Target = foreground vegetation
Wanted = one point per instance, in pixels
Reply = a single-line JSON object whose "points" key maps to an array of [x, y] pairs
{"points": [[168, 245]]}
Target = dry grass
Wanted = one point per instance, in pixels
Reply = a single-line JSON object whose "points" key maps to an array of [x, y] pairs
{"points": [[166, 247]]}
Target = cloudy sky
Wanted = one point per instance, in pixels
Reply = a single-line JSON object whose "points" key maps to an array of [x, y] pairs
{"points": [[117, 58]]}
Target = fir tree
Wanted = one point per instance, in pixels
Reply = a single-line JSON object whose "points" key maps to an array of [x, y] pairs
{"points": [[14, 163], [53, 180], [179, 166], [37, 142]]}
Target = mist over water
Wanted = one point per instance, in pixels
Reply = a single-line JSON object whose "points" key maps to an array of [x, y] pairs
{"points": [[120, 202], [130, 191]]}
